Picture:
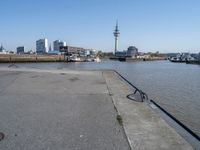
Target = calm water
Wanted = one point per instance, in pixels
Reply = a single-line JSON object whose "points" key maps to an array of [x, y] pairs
{"points": [[175, 86]]}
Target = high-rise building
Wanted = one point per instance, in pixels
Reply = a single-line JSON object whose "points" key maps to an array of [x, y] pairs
{"points": [[1, 48], [41, 46], [57, 44], [199, 56], [62, 43], [20, 50], [116, 35], [50, 47]]}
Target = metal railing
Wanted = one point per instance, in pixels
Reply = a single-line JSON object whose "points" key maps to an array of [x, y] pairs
{"points": [[176, 120]]}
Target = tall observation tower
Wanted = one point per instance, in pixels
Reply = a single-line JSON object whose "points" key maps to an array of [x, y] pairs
{"points": [[116, 34]]}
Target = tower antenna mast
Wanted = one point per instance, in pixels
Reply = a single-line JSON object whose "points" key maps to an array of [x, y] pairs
{"points": [[116, 35]]}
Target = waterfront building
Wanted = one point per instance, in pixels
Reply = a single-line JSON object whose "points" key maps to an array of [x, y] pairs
{"points": [[50, 49], [199, 57], [20, 50], [57, 44], [116, 35], [2, 48], [72, 50], [87, 52], [62, 43], [132, 51], [42, 46], [92, 52], [54, 53]]}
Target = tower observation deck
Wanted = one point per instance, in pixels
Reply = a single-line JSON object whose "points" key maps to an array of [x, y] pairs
{"points": [[116, 35]]}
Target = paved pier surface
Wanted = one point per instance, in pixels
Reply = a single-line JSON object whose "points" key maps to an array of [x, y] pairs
{"points": [[145, 129], [74, 110]]}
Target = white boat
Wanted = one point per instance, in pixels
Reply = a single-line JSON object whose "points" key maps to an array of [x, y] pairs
{"points": [[97, 59], [75, 58]]}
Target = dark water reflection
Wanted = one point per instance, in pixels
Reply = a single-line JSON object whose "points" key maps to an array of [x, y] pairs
{"points": [[175, 86]]}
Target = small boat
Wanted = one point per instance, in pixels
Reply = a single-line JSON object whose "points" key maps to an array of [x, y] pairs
{"points": [[89, 60], [76, 58], [176, 59], [97, 59]]}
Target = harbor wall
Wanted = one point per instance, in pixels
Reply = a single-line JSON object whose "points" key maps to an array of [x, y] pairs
{"points": [[30, 58]]}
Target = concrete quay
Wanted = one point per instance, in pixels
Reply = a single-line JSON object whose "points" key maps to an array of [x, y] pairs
{"points": [[77, 110]]}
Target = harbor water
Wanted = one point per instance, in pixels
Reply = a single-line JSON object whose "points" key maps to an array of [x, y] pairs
{"points": [[175, 86]]}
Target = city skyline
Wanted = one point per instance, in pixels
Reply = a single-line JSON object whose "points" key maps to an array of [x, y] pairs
{"points": [[171, 26]]}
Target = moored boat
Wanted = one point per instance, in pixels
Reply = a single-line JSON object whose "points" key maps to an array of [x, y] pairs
{"points": [[97, 59]]}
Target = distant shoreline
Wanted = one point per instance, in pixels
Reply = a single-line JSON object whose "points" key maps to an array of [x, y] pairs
{"points": [[30, 58], [129, 59], [26, 58]]}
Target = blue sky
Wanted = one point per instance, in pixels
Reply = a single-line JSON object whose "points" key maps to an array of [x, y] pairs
{"points": [[150, 25]]}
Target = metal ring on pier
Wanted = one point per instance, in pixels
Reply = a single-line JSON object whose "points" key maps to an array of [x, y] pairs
{"points": [[143, 95]]}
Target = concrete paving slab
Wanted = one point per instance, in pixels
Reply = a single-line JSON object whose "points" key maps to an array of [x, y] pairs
{"points": [[59, 110], [52, 109]]}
